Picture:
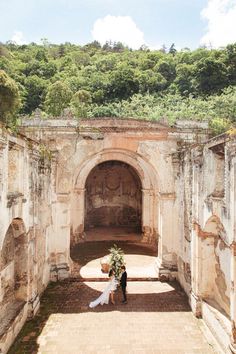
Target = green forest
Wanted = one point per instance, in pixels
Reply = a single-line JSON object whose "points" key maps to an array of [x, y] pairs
{"points": [[115, 81]]}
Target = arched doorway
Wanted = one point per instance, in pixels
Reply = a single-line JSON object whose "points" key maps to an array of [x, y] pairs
{"points": [[113, 197], [13, 265], [114, 189], [148, 184]]}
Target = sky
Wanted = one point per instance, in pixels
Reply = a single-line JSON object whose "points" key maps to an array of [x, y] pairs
{"points": [[154, 23]]}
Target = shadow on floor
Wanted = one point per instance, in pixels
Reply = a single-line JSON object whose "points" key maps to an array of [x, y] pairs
{"points": [[83, 253], [73, 298]]}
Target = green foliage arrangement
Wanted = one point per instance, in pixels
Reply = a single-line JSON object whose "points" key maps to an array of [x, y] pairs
{"points": [[113, 80], [116, 259]]}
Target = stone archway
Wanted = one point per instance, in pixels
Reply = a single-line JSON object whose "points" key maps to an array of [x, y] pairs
{"points": [[149, 188], [14, 265], [113, 196]]}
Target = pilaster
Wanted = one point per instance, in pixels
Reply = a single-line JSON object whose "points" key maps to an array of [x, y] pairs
{"points": [[78, 213], [233, 297]]}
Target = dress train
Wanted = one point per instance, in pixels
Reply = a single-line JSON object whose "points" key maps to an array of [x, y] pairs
{"points": [[104, 297]]}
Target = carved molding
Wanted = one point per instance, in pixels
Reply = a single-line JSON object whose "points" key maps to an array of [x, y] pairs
{"points": [[80, 190], [63, 197], [14, 146], [167, 196]]}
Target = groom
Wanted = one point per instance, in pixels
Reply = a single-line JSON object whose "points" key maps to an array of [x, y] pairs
{"points": [[123, 283]]}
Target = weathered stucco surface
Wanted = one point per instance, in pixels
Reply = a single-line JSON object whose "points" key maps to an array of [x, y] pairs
{"points": [[173, 184], [25, 224]]}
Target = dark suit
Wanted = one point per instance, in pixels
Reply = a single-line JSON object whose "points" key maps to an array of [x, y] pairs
{"points": [[123, 283]]}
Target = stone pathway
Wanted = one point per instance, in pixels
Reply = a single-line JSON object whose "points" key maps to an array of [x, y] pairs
{"points": [[157, 319]]}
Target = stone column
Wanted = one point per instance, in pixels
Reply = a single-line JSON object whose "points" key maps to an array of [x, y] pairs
{"points": [[166, 261], [233, 297], [78, 214], [54, 163], [3, 144], [195, 298], [159, 264], [60, 241], [147, 214], [233, 253], [156, 206]]}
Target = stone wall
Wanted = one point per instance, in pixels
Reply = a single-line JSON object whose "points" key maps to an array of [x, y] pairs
{"points": [[173, 183], [206, 261], [24, 256], [150, 149]]}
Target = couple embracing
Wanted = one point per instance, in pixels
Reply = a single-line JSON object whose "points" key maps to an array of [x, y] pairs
{"points": [[110, 289]]}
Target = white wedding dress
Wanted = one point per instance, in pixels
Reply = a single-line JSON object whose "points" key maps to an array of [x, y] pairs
{"points": [[104, 297]]}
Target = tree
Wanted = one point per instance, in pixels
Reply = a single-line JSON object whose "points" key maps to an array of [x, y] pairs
{"points": [[150, 81], [166, 68], [184, 77], [123, 82], [231, 62], [210, 75], [58, 97], [9, 98], [172, 49], [35, 90], [80, 102], [163, 48]]}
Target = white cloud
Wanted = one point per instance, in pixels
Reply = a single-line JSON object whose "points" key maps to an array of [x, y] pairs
{"points": [[118, 29], [221, 17], [18, 38]]}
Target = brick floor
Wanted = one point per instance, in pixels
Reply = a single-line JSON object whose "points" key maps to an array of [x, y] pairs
{"points": [[157, 319]]}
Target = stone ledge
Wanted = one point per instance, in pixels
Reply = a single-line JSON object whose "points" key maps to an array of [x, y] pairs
{"points": [[11, 324], [11, 312], [218, 324]]}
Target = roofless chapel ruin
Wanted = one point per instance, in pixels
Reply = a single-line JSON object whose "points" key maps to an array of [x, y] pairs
{"points": [[175, 185]]}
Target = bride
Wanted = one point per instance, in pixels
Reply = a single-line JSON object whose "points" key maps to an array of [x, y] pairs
{"points": [[109, 290]]}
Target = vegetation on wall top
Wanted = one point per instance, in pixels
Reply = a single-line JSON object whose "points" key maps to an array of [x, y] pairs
{"points": [[113, 80]]}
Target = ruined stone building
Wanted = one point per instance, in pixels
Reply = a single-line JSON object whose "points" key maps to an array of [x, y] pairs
{"points": [[174, 184]]}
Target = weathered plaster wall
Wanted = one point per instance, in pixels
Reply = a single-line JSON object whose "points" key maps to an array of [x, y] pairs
{"points": [[183, 186], [25, 209], [210, 210], [147, 147], [188, 199]]}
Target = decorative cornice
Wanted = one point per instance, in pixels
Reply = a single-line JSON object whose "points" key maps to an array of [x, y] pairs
{"points": [[167, 196]]}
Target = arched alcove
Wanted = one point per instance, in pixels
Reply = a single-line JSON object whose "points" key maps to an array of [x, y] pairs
{"points": [[113, 196], [215, 268], [13, 265], [143, 171]]}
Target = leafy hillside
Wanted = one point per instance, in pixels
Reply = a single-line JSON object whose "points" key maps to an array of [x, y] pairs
{"points": [[115, 81]]}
